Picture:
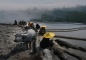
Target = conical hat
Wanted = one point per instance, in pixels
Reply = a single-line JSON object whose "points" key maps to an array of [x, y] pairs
{"points": [[49, 35], [31, 22], [43, 26]]}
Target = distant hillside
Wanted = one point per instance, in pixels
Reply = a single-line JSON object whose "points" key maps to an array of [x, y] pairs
{"points": [[73, 14], [11, 16]]}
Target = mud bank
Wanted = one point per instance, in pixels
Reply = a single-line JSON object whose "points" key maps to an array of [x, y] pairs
{"points": [[9, 50]]}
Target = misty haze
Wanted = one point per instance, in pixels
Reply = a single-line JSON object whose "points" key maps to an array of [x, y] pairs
{"points": [[11, 10], [42, 29], [36, 14], [10, 16]]}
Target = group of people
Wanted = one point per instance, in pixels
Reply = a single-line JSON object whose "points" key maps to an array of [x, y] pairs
{"points": [[22, 23], [39, 29], [46, 41]]}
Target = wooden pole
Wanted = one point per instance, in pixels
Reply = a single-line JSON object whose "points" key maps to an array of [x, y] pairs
{"points": [[74, 55], [74, 38], [59, 51], [68, 45]]}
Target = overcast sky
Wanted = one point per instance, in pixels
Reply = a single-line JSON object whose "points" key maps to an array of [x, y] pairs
{"points": [[25, 4]]}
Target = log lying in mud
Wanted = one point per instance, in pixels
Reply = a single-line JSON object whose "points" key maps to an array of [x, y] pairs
{"points": [[60, 30], [74, 38], [68, 45], [80, 28], [60, 51], [74, 55], [64, 30]]}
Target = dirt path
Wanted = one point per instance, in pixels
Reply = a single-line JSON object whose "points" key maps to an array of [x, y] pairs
{"points": [[9, 50], [7, 43]]}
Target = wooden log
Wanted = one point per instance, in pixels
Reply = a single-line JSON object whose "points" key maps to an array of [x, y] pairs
{"points": [[63, 29], [74, 38], [74, 55], [80, 28], [59, 51], [59, 31], [68, 45]]}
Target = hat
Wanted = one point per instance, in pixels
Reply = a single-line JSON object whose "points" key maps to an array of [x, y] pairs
{"points": [[31, 22], [49, 35], [43, 26]]}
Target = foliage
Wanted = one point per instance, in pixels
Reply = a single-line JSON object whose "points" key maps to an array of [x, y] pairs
{"points": [[77, 14]]}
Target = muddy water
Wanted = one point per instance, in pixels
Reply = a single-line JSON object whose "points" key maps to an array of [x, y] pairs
{"points": [[77, 33], [62, 25]]}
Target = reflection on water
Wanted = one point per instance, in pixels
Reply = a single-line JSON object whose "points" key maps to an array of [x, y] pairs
{"points": [[62, 25], [79, 33]]}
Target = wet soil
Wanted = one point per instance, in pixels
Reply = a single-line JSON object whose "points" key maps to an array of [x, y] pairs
{"points": [[9, 50]]}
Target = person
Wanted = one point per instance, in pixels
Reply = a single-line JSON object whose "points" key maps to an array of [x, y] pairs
{"points": [[15, 23], [27, 26], [37, 26], [42, 30], [47, 41], [20, 23], [31, 24]]}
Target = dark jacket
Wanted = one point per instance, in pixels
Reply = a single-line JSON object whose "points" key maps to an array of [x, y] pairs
{"points": [[42, 31], [46, 43], [37, 26]]}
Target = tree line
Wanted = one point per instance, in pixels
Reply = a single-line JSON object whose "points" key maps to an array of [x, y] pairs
{"points": [[64, 15]]}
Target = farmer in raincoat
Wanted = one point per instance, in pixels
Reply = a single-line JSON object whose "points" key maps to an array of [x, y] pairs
{"points": [[42, 30], [47, 41], [37, 26]]}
